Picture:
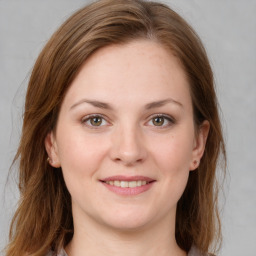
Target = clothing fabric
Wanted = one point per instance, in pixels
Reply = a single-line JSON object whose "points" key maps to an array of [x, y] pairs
{"points": [[193, 252], [61, 253]]}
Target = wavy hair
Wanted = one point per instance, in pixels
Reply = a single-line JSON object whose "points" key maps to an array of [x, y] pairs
{"points": [[43, 219]]}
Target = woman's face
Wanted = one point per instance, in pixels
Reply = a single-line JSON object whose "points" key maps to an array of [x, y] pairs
{"points": [[125, 137]]}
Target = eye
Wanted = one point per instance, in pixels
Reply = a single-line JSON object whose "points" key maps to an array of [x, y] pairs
{"points": [[158, 121], [94, 121], [161, 120]]}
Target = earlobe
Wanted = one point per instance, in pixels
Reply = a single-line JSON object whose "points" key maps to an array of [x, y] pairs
{"points": [[199, 145], [52, 150]]}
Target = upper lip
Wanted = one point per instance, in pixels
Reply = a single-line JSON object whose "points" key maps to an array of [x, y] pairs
{"points": [[127, 178]]}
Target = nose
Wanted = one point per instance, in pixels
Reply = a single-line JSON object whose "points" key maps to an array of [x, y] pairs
{"points": [[128, 146]]}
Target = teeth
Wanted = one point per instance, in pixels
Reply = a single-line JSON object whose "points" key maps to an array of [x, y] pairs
{"points": [[127, 184], [132, 184], [124, 184], [117, 183]]}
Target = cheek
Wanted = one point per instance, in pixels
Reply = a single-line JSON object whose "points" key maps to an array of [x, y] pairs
{"points": [[171, 155], [80, 155], [80, 158], [173, 159], [174, 153]]}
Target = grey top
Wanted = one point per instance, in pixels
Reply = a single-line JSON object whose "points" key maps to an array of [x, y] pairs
{"points": [[195, 252], [192, 252], [61, 253]]}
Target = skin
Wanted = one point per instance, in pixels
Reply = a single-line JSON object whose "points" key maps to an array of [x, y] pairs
{"points": [[129, 141]]}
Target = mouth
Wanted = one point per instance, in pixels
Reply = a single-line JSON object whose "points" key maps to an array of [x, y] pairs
{"points": [[127, 184], [123, 185]]}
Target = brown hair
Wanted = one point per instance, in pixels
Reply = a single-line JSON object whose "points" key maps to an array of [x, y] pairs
{"points": [[43, 219]]}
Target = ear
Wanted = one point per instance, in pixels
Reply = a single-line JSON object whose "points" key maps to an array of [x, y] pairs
{"points": [[199, 144], [52, 150]]}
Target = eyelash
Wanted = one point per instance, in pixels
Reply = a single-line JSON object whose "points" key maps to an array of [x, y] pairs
{"points": [[90, 117], [171, 121], [167, 118]]}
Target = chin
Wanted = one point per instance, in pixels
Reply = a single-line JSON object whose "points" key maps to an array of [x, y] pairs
{"points": [[127, 227], [127, 221]]}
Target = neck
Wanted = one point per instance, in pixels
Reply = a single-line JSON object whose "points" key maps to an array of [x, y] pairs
{"points": [[95, 239]]}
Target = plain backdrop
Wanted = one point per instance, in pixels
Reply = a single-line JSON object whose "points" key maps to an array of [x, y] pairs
{"points": [[228, 30]]}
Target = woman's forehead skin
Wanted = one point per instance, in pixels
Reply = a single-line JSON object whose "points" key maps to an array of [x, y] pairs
{"points": [[138, 72]]}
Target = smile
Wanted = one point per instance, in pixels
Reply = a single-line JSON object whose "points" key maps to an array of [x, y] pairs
{"points": [[127, 184]]}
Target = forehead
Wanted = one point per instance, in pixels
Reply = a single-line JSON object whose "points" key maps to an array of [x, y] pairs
{"points": [[141, 70]]}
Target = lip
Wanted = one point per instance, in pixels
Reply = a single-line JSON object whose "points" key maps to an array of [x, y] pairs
{"points": [[127, 178], [128, 191]]}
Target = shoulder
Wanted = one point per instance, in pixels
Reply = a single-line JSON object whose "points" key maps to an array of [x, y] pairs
{"points": [[195, 252], [61, 253]]}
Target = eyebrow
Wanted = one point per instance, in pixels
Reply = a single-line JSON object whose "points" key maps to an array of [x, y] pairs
{"points": [[157, 104], [94, 103], [103, 105]]}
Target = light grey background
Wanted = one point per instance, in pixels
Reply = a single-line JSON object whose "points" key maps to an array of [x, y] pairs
{"points": [[228, 30]]}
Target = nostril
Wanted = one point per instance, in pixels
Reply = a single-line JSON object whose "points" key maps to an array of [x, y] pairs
{"points": [[128, 154]]}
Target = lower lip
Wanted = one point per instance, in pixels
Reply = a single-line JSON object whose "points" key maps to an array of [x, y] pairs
{"points": [[128, 191]]}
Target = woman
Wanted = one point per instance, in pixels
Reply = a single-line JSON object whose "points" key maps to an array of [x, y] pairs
{"points": [[121, 138]]}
